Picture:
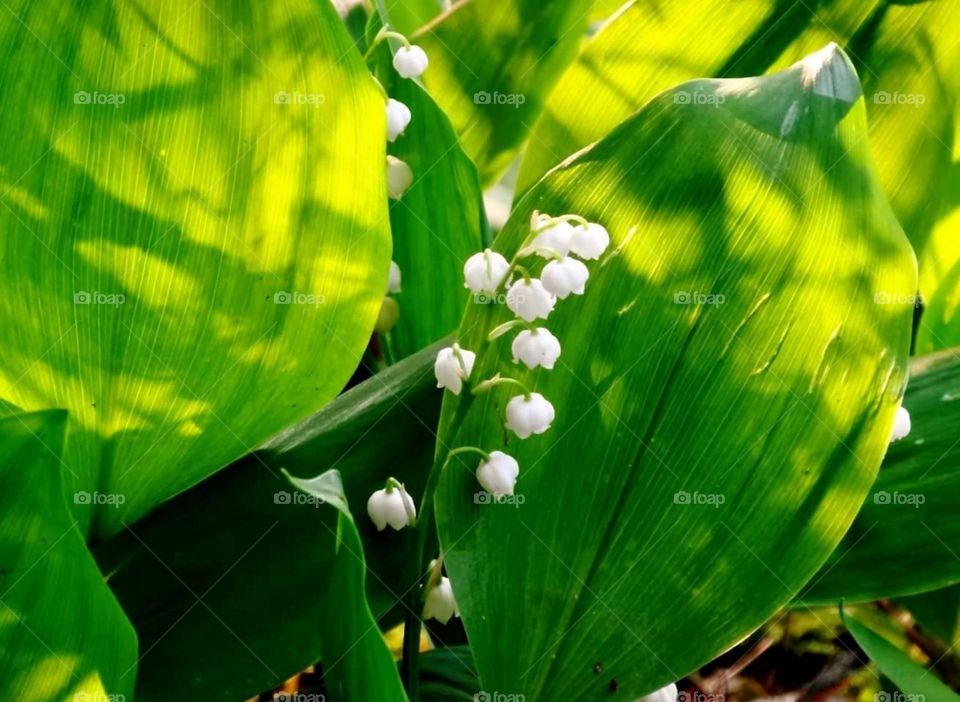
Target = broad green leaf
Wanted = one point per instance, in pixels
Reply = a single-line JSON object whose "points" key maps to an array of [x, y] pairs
{"points": [[357, 662], [437, 224], [174, 175], [906, 537], [911, 677], [244, 543], [649, 47], [62, 633], [493, 64], [711, 451]]}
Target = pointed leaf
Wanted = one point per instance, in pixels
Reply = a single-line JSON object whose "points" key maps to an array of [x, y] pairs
{"points": [[708, 455]]}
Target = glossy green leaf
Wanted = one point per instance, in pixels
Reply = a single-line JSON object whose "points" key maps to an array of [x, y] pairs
{"points": [[709, 454], [437, 224], [492, 66], [62, 633], [193, 230], [911, 677], [254, 553], [906, 538], [357, 665], [649, 47]]}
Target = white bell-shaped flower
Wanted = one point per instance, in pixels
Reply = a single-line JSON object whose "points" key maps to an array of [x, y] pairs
{"points": [[498, 476], [392, 505], [551, 236], [537, 347], [440, 603], [399, 177], [393, 281], [526, 416], [410, 61], [901, 424], [452, 367], [530, 300], [564, 277], [483, 272], [589, 241], [664, 694], [398, 117]]}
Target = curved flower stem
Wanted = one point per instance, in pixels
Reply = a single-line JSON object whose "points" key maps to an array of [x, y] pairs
{"points": [[496, 380], [384, 33]]}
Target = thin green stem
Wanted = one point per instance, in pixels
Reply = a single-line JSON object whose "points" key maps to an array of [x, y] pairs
{"points": [[410, 669]]}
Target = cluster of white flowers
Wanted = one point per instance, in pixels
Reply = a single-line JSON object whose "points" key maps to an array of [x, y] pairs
{"points": [[557, 239], [409, 61]]}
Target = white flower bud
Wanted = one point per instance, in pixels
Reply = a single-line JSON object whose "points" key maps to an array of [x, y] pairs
{"points": [[551, 236], [440, 603], [483, 271], [589, 241], [901, 424], [393, 506], [498, 476], [529, 416], [536, 348], [564, 277], [449, 369], [664, 694], [410, 61], [528, 299], [393, 281], [398, 117], [399, 177]]}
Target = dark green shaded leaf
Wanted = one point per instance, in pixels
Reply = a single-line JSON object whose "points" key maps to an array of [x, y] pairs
{"points": [[243, 543]]}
